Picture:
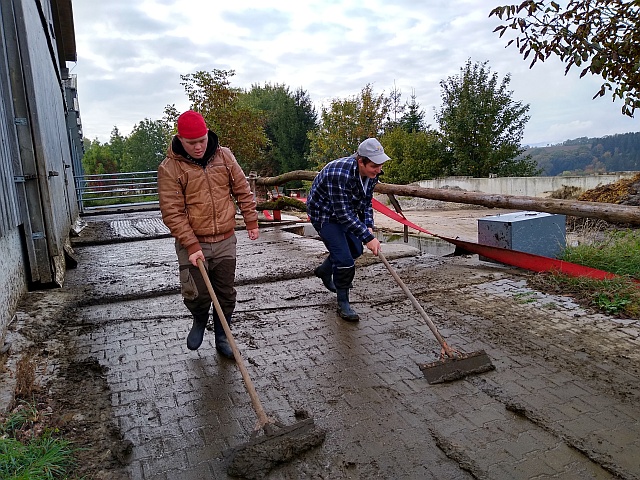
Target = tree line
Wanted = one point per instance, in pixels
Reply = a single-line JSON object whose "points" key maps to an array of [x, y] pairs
{"points": [[273, 129], [586, 156]]}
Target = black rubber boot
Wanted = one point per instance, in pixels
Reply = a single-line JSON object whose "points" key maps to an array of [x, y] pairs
{"points": [[222, 344], [194, 339], [325, 273], [344, 309]]}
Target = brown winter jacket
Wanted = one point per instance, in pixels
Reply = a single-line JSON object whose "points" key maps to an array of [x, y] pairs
{"points": [[196, 202]]}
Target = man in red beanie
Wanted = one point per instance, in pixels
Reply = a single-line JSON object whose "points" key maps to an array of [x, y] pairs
{"points": [[196, 182]]}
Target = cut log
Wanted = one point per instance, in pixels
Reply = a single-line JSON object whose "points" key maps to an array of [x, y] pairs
{"points": [[609, 212]]}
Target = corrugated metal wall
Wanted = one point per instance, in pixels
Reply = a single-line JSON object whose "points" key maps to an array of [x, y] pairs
{"points": [[8, 150], [46, 145], [47, 121], [8, 203], [13, 282], [38, 146]]}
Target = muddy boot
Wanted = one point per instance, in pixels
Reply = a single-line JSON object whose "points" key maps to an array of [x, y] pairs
{"points": [[325, 273], [344, 309], [194, 339], [222, 344]]}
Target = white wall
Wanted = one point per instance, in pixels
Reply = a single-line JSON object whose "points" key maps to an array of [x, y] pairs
{"points": [[524, 186], [13, 283]]}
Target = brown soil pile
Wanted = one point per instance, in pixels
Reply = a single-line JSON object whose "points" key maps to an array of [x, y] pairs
{"points": [[624, 192]]}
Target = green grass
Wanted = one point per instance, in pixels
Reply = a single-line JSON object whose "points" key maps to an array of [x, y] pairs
{"points": [[617, 252], [25, 455], [23, 416], [95, 200], [526, 297], [40, 458], [619, 296]]}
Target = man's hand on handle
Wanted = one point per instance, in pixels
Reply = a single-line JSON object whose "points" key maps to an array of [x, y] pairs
{"points": [[373, 245], [193, 258]]}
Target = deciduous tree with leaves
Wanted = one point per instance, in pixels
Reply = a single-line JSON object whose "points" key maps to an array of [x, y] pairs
{"points": [[602, 37], [237, 124], [346, 123], [98, 158], [415, 155], [481, 125], [289, 116], [146, 147]]}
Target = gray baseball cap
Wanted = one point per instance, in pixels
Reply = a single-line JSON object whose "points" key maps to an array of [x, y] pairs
{"points": [[372, 149]]}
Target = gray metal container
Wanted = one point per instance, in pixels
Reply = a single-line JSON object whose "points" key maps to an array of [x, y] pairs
{"points": [[532, 232]]}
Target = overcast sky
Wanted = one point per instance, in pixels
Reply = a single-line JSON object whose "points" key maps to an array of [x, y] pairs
{"points": [[131, 54]]}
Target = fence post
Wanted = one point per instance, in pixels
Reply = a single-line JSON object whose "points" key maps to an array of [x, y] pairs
{"points": [[252, 183], [396, 205]]}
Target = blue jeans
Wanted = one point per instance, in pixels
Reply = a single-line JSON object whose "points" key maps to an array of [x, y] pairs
{"points": [[344, 248]]}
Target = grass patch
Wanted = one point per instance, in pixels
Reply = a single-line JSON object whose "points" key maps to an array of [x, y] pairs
{"points": [[619, 296], [40, 458], [89, 200], [615, 251], [525, 297], [29, 450]]}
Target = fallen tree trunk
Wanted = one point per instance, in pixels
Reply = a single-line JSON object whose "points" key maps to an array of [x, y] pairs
{"points": [[609, 212], [286, 177]]}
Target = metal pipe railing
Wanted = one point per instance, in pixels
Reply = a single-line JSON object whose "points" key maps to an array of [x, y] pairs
{"points": [[116, 189]]}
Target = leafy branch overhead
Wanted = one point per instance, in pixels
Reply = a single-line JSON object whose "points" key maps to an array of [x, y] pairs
{"points": [[600, 36]]}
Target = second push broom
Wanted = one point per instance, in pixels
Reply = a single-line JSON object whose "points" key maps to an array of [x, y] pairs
{"points": [[453, 365]]}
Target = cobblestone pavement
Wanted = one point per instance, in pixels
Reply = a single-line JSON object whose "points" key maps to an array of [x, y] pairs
{"points": [[562, 403]]}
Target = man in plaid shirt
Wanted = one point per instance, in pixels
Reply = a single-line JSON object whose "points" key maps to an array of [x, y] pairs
{"points": [[339, 206]]}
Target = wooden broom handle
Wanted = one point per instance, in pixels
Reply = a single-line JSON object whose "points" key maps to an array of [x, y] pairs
{"points": [[447, 349], [263, 419]]}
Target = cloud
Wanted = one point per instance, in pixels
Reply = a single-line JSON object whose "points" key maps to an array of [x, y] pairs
{"points": [[131, 56], [255, 25]]}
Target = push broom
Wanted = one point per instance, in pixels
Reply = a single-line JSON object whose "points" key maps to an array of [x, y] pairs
{"points": [[453, 364], [271, 443]]}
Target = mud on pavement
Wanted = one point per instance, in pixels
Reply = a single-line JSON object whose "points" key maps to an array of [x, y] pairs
{"points": [[563, 401]]}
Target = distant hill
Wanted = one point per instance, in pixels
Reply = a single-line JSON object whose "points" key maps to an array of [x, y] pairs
{"points": [[582, 156]]}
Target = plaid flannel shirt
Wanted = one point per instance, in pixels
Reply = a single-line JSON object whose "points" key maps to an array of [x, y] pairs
{"points": [[337, 196]]}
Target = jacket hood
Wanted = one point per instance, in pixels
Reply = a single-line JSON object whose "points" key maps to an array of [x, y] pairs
{"points": [[176, 148]]}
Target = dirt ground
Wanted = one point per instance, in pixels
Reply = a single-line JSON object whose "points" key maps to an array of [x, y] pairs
{"points": [[543, 346], [459, 223]]}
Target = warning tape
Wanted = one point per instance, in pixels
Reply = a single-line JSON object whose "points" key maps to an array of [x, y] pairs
{"points": [[528, 261]]}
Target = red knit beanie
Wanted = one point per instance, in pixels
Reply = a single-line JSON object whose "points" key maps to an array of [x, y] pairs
{"points": [[191, 125]]}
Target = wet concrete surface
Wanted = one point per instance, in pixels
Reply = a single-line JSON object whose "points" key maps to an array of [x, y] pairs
{"points": [[563, 402]]}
